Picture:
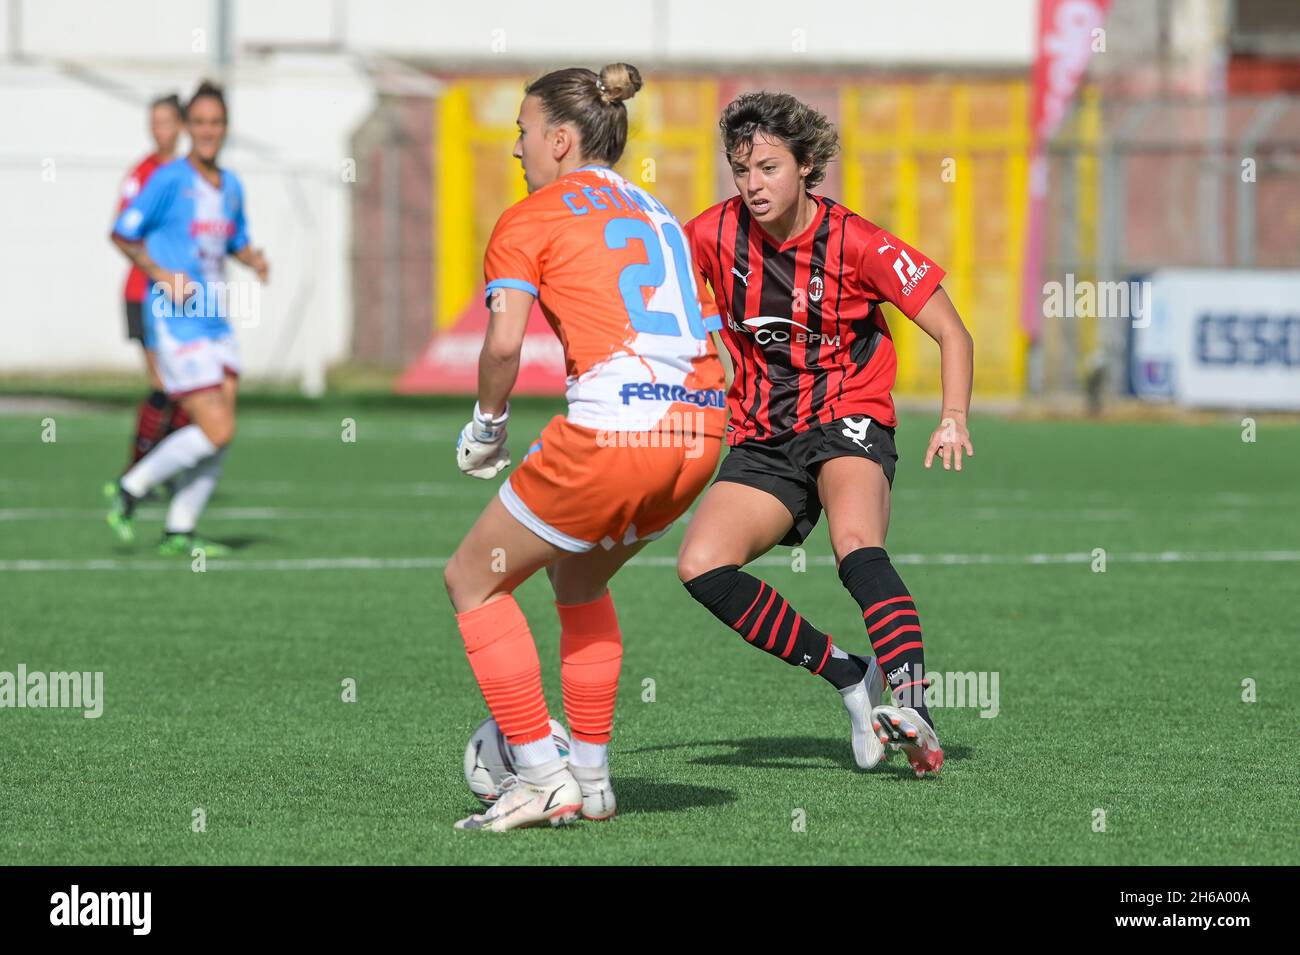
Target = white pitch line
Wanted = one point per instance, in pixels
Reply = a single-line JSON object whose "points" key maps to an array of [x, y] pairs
{"points": [[429, 563], [149, 512], [311, 563], [258, 429]]}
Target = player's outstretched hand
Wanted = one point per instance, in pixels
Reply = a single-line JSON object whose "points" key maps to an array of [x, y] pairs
{"points": [[948, 441], [481, 450]]}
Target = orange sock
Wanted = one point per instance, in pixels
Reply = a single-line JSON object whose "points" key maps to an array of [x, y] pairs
{"points": [[591, 652], [503, 656]]}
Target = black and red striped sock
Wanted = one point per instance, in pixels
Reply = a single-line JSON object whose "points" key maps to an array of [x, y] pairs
{"points": [[151, 421], [893, 624], [177, 420], [754, 609]]}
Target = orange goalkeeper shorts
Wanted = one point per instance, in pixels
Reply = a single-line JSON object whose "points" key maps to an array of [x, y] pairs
{"points": [[577, 487]]}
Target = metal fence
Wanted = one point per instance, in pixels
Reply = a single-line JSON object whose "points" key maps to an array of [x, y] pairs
{"points": [[1192, 183], [939, 159]]}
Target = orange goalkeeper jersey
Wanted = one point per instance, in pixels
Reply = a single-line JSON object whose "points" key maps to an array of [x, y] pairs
{"points": [[611, 269]]}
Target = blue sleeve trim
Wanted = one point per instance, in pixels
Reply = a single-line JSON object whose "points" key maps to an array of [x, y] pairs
{"points": [[713, 323], [519, 284]]}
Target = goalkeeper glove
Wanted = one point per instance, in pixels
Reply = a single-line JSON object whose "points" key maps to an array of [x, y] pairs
{"points": [[481, 448]]}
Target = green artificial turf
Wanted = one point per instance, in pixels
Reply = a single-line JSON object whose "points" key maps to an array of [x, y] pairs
{"points": [[1118, 691]]}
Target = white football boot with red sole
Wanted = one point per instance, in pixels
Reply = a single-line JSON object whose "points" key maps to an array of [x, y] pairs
{"points": [[901, 727]]}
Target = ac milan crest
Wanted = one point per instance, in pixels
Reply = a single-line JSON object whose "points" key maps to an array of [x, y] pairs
{"points": [[816, 287]]}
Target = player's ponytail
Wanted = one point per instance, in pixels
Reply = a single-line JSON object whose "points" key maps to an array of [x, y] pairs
{"points": [[592, 103], [617, 82]]}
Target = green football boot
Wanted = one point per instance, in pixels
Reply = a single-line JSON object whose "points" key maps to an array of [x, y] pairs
{"points": [[121, 508], [183, 545]]}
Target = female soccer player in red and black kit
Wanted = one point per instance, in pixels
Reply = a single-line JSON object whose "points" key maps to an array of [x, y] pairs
{"points": [[799, 280]]}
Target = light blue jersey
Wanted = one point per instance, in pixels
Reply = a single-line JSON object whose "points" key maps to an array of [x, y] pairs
{"points": [[190, 226]]}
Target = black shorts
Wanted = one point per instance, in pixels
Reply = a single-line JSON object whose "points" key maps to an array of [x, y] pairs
{"points": [[787, 469], [135, 321]]}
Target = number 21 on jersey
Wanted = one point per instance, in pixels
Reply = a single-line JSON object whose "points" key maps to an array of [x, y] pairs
{"points": [[651, 274]]}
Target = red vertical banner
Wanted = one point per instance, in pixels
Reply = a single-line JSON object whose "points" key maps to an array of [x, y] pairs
{"points": [[1066, 35]]}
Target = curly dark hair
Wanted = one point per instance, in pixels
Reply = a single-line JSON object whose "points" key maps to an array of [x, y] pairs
{"points": [[805, 131]]}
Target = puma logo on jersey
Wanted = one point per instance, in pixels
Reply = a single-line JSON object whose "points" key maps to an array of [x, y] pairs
{"points": [[744, 278], [886, 247]]}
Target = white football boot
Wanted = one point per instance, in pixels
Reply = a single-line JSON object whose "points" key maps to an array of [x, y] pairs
{"points": [[597, 792], [901, 727], [521, 804], [860, 699]]}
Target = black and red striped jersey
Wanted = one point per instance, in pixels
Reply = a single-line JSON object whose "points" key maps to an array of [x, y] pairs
{"points": [[802, 319], [137, 282]]}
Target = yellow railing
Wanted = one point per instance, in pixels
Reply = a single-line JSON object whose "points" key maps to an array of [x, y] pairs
{"points": [[672, 150], [942, 164]]}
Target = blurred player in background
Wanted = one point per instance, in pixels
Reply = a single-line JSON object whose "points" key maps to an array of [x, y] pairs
{"points": [[157, 416], [178, 231], [800, 280], [611, 269]]}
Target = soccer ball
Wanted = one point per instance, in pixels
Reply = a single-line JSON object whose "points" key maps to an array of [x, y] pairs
{"points": [[487, 758]]}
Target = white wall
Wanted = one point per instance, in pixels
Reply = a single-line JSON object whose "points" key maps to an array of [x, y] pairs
{"points": [[75, 73], [945, 32], [70, 139]]}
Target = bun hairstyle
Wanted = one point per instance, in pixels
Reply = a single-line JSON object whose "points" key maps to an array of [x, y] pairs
{"points": [[592, 103], [208, 89], [617, 82], [171, 101]]}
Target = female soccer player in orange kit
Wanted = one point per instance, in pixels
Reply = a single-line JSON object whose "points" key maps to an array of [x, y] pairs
{"points": [[801, 279], [611, 270]]}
